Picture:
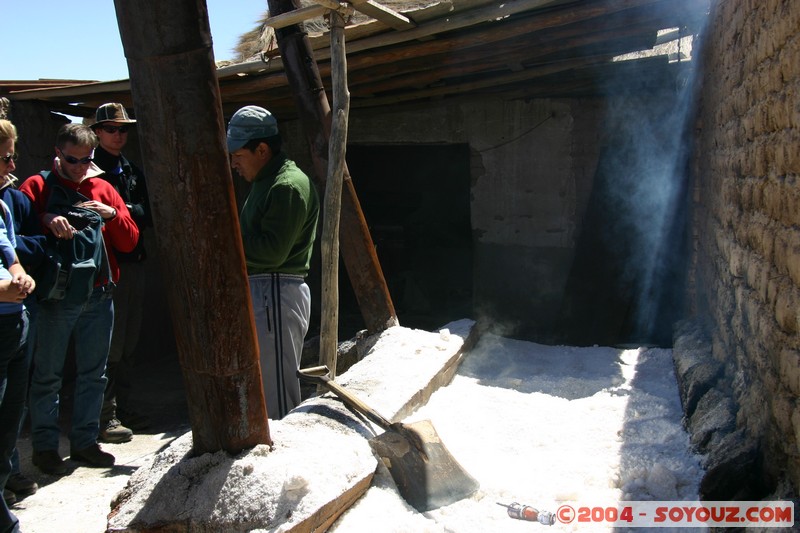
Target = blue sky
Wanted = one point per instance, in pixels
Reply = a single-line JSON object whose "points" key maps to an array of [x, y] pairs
{"points": [[80, 40]]}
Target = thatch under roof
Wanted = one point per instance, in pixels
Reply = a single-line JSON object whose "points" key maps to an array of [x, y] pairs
{"points": [[259, 39]]}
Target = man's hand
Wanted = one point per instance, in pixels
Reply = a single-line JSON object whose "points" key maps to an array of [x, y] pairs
{"points": [[58, 226], [105, 211]]}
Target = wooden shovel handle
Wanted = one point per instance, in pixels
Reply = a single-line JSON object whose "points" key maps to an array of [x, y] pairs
{"points": [[319, 376]]}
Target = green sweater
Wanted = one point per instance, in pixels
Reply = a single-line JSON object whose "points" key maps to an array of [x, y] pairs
{"points": [[279, 219]]}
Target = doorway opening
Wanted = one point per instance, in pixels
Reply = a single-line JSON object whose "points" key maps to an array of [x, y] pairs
{"points": [[416, 201]]}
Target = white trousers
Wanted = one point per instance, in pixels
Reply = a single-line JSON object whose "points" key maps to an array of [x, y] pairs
{"points": [[282, 309]]}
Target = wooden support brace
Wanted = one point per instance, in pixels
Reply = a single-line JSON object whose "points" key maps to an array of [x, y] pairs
{"points": [[333, 196]]}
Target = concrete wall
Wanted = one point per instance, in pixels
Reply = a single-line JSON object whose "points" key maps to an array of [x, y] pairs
{"points": [[532, 163], [746, 273]]}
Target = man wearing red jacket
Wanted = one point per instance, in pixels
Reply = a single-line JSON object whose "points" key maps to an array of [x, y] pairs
{"points": [[89, 323]]}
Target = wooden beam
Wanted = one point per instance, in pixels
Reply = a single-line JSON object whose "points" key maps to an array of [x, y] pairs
{"points": [[368, 78], [572, 40], [295, 17], [400, 58], [168, 48], [391, 18], [494, 12], [370, 8], [494, 81], [487, 35], [551, 23], [72, 90], [273, 71], [421, 32]]}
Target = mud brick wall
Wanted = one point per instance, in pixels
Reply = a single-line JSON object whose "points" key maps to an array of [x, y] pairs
{"points": [[747, 217]]}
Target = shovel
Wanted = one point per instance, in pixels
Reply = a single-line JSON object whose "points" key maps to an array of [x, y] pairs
{"points": [[423, 469]]}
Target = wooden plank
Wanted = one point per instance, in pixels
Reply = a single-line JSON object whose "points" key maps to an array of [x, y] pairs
{"points": [[370, 26], [391, 18], [330, 512], [522, 51], [449, 23], [396, 380], [290, 486], [461, 45], [495, 81], [72, 90], [462, 42], [295, 17], [421, 32], [367, 78], [457, 21], [470, 334], [370, 8]]}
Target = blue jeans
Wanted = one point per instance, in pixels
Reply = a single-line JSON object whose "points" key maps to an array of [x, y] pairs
{"points": [[30, 341], [90, 324], [13, 386]]}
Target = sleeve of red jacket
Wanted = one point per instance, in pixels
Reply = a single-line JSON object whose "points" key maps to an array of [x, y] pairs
{"points": [[121, 231], [34, 188]]}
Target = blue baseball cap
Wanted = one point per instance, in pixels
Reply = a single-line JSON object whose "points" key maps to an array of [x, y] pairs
{"points": [[250, 122]]}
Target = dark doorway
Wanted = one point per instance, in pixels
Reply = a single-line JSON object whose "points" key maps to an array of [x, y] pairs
{"points": [[415, 199]]}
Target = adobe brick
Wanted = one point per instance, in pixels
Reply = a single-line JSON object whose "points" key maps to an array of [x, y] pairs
{"points": [[786, 307], [790, 369]]}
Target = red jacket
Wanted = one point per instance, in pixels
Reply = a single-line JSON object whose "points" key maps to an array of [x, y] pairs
{"points": [[120, 233]]}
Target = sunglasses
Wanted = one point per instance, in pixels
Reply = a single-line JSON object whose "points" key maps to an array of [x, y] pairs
{"points": [[75, 161], [115, 129], [9, 157]]}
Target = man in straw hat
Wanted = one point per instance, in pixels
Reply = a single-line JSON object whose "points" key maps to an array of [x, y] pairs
{"points": [[120, 414]]}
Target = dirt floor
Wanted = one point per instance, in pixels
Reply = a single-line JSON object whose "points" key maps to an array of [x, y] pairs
{"points": [[80, 501]]}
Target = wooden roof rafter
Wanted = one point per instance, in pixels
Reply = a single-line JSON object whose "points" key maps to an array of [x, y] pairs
{"points": [[475, 46], [373, 9]]}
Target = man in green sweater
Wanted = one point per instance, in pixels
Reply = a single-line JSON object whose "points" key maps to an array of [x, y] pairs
{"points": [[278, 224]]}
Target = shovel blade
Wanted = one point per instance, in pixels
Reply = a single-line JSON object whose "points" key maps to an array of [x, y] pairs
{"points": [[429, 477]]}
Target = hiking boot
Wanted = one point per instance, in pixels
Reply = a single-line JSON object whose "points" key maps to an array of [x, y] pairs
{"points": [[114, 432], [93, 456], [133, 419], [21, 485], [49, 462], [9, 497]]}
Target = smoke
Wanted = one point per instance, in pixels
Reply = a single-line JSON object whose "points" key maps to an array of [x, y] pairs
{"points": [[646, 168]]}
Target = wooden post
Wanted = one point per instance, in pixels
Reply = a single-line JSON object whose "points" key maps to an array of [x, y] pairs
{"points": [[357, 248], [333, 195], [179, 113]]}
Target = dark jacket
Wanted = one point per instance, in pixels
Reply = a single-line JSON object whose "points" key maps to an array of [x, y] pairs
{"points": [[129, 181], [30, 239]]}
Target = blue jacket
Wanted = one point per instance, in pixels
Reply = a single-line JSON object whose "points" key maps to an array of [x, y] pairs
{"points": [[7, 256], [27, 229]]}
